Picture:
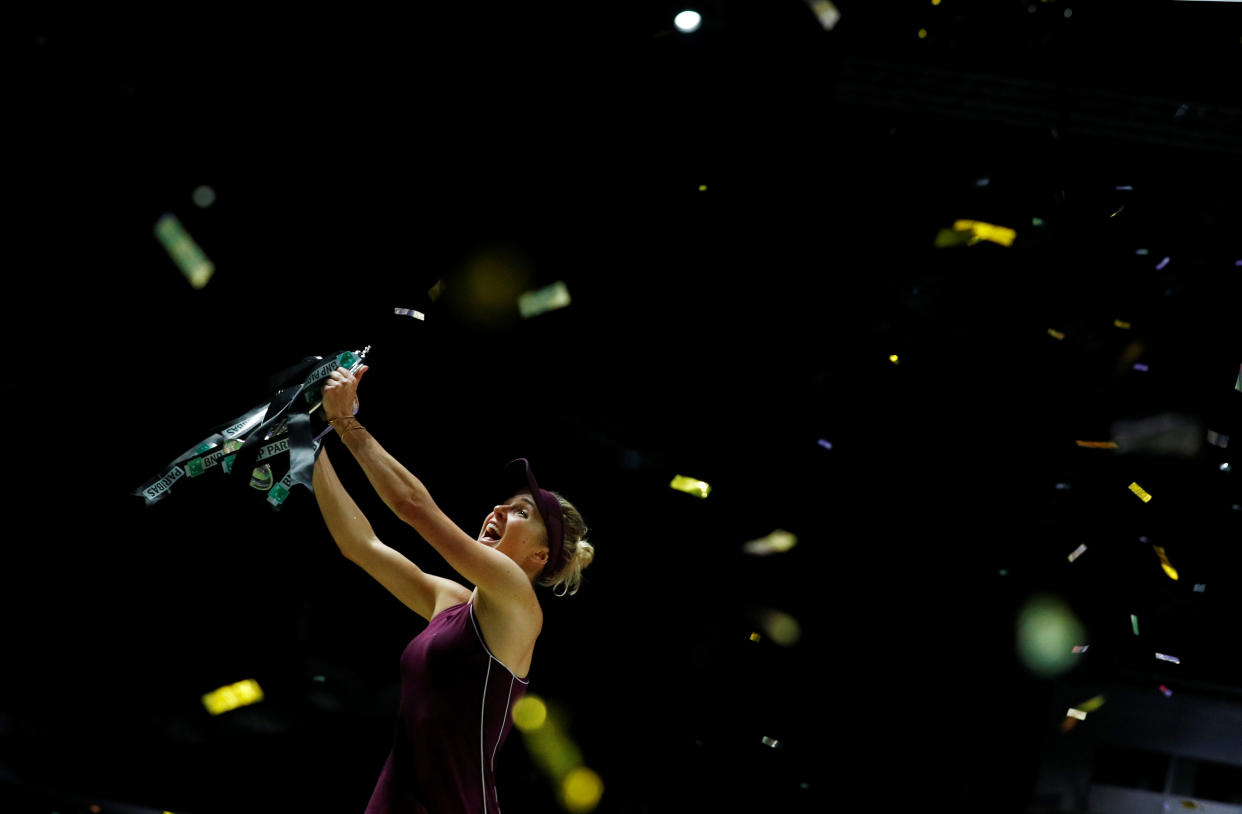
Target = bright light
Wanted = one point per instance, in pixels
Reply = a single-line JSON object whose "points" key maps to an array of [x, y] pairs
{"points": [[529, 713], [1046, 632], [688, 21], [582, 789]]}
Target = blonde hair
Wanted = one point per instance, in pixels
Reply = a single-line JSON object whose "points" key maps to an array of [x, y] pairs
{"points": [[576, 553]]}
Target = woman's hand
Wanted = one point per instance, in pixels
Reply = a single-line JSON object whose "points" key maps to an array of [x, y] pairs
{"points": [[340, 393]]}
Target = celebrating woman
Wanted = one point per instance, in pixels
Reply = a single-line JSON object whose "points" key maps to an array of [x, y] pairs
{"points": [[460, 676]]}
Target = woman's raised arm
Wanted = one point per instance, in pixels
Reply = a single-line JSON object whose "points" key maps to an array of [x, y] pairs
{"points": [[425, 594]]}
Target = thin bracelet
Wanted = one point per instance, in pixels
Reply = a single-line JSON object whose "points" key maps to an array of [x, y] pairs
{"points": [[339, 417], [349, 429]]}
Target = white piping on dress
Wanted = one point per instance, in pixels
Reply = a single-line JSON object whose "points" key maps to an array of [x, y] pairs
{"points": [[483, 642], [482, 722]]}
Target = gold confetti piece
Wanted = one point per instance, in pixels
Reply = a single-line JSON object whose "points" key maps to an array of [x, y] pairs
{"points": [[1120, 324], [781, 628], [702, 187], [1138, 490], [1118, 212], [233, 696], [184, 251], [1076, 713], [1092, 705], [777, 542], [894, 359], [754, 637], [533, 303], [1055, 334], [1165, 564], [436, 290], [826, 12], [1097, 444], [691, 486], [979, 230]]}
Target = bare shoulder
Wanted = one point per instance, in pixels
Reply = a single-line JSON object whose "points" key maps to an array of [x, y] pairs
{"points": [[510, 628]]}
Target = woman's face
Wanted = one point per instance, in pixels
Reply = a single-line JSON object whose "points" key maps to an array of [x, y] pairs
{"points": [[515, 528]]}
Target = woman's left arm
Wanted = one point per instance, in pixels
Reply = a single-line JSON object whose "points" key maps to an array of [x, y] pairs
{"points": [[409, 499]]}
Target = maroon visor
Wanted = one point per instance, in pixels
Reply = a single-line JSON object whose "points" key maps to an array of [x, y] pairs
{"points": [[549, 509]]}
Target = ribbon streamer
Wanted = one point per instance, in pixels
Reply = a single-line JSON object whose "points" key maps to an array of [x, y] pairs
{"points": [[286, 425]]}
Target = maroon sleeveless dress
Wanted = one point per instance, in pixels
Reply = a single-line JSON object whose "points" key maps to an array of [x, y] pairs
{"points": [[455, 713]]}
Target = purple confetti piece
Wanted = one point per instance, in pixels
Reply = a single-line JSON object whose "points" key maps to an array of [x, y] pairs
{"points": [[825, 444], [1141, 366], [1162, 264]]}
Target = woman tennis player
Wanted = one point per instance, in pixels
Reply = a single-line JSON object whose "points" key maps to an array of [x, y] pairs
{"points": [[460, 676]]}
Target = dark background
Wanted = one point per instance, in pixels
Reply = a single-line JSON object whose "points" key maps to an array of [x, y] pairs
{"points": [[359, 157]]}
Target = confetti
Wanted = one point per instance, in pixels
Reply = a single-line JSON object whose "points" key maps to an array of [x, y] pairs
{"points": [[1138, 490], [1201, 587], [1118, 212], [1097, 444], [775, 543], [436, 290], [1055, 334], [754, 637], [533, 303], [1125, 188], [1218, 440], [1140, 366], [1141, 252], [1063, 486], [184, 251], [1080, 648], [970, 232], [1092, 704], [1238, 386], [1160, 266], [1167, 692], [408, 312], [780, 627], [1173, 659], [1120, 324], [894, 359], [775, 744], [691, 486], [1164, 563], [233, 696], [825, 444], [1076, 713], [1078, 553], [826, 12]]}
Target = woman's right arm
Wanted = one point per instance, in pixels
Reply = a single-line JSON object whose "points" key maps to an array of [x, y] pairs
{"points": [[423, 593]]}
